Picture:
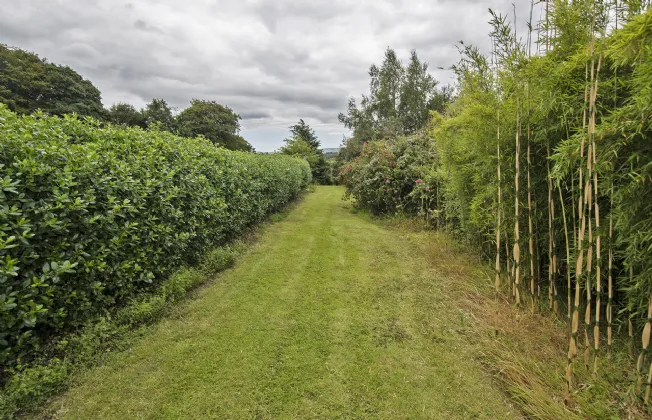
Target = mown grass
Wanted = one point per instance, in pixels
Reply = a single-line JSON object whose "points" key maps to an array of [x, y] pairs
{"points": [[330, 315], [70, 355]]}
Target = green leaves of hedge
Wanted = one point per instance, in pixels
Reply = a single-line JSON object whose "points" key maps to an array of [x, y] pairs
{"points": [[91, 215]]}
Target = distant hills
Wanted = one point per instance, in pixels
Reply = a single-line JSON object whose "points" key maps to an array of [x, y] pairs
{"points": [[331, 150]]}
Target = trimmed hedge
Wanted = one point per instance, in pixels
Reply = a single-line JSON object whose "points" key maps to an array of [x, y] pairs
{"points": [[91, 215]]}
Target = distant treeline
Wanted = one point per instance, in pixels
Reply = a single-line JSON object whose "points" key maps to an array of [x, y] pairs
{"points": [[29, 83]]}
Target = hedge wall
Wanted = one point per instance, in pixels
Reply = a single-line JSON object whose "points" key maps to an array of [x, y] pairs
{"points": [[91, 215]]}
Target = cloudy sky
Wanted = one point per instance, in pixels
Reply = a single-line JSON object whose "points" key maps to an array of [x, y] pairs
{"points": [[272, 61]]}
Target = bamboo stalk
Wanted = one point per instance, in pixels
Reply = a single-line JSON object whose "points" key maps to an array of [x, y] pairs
{"points": [[538, 273], [508, 264], [645, 341], [579, 265], [610, 275], [611, 226], [572, 347], [589, 262], [568, 266], [648, 384], [547, 27], [551, 265], [588, 200], [555, 298], [529, 170], [629, 323], [499, 210], [529, 217], [517, 236], [598, 281], [592, 198]]}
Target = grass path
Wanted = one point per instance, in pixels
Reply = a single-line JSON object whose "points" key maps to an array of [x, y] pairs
{"points": [[330, 315]]}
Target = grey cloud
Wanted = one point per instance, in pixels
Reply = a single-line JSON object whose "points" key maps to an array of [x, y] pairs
{"points": [[255, 115], [272, 61], [142, 25]]}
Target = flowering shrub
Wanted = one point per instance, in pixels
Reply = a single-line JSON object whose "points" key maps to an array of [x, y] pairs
{"points": [[394, 176], [92, 215]]}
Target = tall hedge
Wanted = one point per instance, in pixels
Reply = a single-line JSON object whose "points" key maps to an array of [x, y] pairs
{"points": [[91, 215]]}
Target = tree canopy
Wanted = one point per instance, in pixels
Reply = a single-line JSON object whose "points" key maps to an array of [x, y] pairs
{"points": [[297, 146], [304, 143], [125, 114], [159, 112], [28, 83], [305, 132], [399, 100], [218, 123]]}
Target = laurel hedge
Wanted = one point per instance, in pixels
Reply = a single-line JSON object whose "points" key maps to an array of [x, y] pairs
{"points": [[92, 215]]}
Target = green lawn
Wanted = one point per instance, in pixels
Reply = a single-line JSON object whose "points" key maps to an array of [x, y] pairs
{"points": [[330, 315]]}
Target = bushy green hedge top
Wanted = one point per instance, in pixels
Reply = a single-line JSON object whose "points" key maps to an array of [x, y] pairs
{"points": [[91, 215]]}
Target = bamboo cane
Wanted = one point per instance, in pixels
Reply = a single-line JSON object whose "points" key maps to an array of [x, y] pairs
{"points": [[498, 211]]}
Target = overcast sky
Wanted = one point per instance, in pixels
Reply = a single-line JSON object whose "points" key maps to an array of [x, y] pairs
{"points": [[272, 61]]}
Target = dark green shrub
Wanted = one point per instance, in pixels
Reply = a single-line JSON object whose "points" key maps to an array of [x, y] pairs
{"points": [[394, 176], [92, 215]]}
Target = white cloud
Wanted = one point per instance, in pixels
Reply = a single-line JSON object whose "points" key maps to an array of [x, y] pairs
{"points": [[273, 61]]}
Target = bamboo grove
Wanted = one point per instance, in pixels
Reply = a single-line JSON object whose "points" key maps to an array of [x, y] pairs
{"points": [[544, 159], [546, 154]]}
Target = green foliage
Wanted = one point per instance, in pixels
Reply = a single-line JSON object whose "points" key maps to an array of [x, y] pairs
{"points": [[126, 114], [304, 131], [391, 177], [297, 146], [215, 122], [28, 83], [417, 91], [305, 144], [547, 93], [28, 387], [626, 136], [92, 216], [159, 113], [398, 103], [22, 79]]}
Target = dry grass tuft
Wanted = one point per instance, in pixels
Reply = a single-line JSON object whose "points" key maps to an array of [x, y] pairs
{"points": [[525, 351]]}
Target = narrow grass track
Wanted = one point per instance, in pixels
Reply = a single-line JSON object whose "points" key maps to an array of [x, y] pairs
{"points": [[329, 315]]}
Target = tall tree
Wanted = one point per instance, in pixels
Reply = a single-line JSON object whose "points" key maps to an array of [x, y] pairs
{"points": [[441, 98], [67, 93], [28, 83], [386, 89], [22, 79], [416, 91], [125, 114], [304, 131], [216, 122], [159, 112], [398, 101]]}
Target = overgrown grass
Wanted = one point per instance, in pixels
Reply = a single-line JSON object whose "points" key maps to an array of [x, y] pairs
{"points": [[526, 351]]}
